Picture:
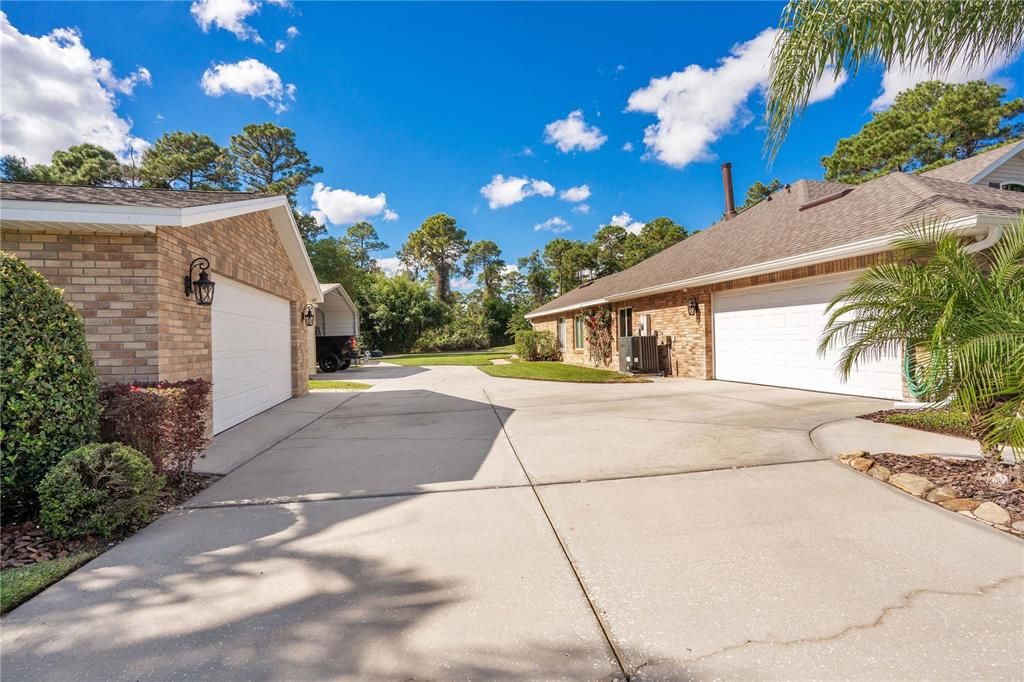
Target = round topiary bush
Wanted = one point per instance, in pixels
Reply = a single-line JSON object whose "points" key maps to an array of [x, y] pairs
{"points": [[98, 489], [47, 383]]}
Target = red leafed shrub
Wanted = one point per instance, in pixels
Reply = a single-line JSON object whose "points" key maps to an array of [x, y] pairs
{"points": [[165, 420]]}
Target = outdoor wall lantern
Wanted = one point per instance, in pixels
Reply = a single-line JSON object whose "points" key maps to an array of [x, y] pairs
{"points": [[692, 306], [308, 315], [203, 286]]}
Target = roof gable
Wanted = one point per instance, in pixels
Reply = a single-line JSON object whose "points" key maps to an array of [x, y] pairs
{"points": [[974, 169]]}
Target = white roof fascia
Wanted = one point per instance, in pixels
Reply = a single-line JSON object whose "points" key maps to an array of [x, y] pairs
{"points": [[1012, 151], [859, 248]]}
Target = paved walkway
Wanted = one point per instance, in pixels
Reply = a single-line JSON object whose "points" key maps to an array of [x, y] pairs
{"points": [[449, 525]]}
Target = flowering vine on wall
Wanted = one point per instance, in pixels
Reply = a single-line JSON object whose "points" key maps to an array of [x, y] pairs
{"points": [[598, 321]]}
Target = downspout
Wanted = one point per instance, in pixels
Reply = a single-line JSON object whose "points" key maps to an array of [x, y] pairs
{"points": [[995, 233]]}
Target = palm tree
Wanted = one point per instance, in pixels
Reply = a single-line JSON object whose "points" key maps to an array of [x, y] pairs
{"points": [[961, 316], [848, 34]]}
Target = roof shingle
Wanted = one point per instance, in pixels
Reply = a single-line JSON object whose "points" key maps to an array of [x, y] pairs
{"points": [[809, 216], [968, 169], [120, 196]]}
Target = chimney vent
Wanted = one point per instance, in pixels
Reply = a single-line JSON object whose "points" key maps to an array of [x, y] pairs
{"points": [[730, 202]]}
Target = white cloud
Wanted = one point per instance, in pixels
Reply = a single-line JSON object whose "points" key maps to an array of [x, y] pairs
{"points": [[56, 94], [696, 106], [578, 193], [526, 151], [572, 132], [581, 208], [556, 225], [502, 191], [279, 46], [292, 32], [248, 77], [463, 284], [620, 67], [627, 147], [899, 77], [229, 15], [344, 207], [390, 266], [626, 221]]}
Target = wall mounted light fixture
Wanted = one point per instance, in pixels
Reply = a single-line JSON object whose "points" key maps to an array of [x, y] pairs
{"points": [[201, 287], [309, 315], [692, 307]]}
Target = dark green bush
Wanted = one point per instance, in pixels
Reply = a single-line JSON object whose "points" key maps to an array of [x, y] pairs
{"points": [[942, 421], [533, 345], [98, 489], [47, 383]]}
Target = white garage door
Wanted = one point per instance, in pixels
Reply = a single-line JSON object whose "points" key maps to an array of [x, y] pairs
{"points": [[769, 335], [252, 356]]}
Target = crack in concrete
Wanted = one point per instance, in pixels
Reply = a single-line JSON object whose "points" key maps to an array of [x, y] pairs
{"points": [[905, 602]]}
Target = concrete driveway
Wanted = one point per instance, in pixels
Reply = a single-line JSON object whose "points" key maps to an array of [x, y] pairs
{"points": [[446, 525]]}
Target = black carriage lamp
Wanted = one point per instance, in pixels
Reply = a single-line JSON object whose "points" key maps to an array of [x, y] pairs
{"points": [[692, 306], [308, 315], [203, 286]]}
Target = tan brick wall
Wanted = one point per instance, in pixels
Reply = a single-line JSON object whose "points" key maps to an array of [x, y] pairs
{"points": [[129, 289], [245, 249], [111, 280], [690, 337]]}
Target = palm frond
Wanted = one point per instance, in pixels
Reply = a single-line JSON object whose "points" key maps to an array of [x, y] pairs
{"points": [[846, 35]]}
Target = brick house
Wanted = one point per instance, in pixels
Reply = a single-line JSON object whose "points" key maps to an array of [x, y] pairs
{"points": [[744, 300], [122, 257]]}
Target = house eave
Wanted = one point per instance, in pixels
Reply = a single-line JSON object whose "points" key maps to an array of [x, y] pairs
{"points": [[967, 225]]}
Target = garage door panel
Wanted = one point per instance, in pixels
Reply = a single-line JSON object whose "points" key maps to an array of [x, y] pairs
{"points": [[251, 333], [769, 335]]}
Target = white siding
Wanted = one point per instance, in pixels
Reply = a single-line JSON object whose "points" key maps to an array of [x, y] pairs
{"points": [[339, 317], [1011, 170]]}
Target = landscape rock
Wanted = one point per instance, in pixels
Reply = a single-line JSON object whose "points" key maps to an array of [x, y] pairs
{"points": [[924, 455], [861, 463], [880, 472], [942, 494], [961, 504], [847, 456], [911, 483], [1018, 526], [993, 513]]}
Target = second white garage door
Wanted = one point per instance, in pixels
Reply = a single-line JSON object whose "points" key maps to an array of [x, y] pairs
{"points": [[252, 355], [769, 335]]}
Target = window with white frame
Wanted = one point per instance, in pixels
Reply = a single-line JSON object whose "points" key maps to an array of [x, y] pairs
{"points": [[625, 322]]}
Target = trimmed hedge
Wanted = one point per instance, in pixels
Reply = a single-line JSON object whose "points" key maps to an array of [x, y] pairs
{"points": [[167, 421], [47, 383], [533, 346], [98, 489]]}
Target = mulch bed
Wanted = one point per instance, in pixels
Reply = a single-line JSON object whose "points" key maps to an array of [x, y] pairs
{"points": [[881, 415], [25, 542], [970, 478]]}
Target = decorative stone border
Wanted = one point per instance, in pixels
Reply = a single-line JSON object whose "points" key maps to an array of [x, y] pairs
{"points": [[944, 496]]}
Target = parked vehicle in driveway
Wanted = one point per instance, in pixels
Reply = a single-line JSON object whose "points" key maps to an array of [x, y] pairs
{"points": [[337, 330]]}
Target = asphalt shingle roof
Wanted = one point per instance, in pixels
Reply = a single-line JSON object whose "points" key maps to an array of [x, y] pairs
{"points": [[966, 170], [807, 217], [120, 196]]}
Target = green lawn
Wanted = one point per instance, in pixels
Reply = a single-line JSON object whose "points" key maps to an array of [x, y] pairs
{"points": [[18, 585], [336, 385], [560, 371], [471, 358], [940, 421]]}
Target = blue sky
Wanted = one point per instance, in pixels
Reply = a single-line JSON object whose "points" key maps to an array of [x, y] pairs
{"points": [[426, 103]]}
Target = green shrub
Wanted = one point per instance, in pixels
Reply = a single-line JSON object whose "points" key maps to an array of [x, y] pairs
{"points": [[47, 383], [943, 421], [98, 489], [451, 338], [537, 346]]}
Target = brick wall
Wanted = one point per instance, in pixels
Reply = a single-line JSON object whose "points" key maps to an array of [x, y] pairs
{"points": [[111, 280], [243, 248], [689, 338], [129, 289]]}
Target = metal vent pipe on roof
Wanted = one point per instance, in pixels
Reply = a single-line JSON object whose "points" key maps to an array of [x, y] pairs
{"points": [[730, 202]]}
